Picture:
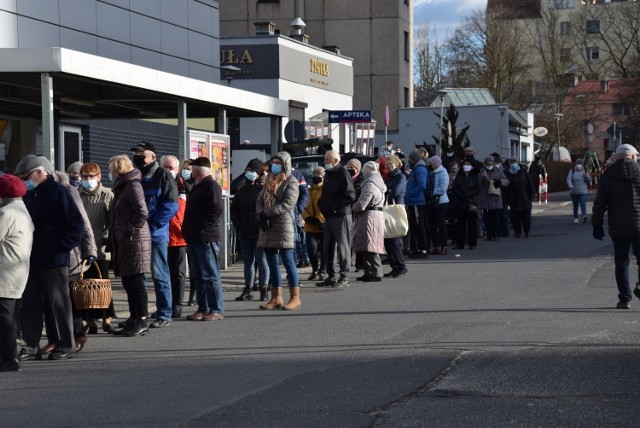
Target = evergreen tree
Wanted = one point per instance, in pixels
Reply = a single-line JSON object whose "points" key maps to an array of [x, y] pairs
{"points": [[459, 137]]}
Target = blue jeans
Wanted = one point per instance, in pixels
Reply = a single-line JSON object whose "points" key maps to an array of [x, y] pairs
{"points": [[161, 280], [289, 262], [252, 255], [205, 273], [582, 199], [621, 259]]}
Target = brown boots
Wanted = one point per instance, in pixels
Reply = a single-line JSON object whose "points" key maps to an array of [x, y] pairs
{"points": [[294, 299], [276, 299]]}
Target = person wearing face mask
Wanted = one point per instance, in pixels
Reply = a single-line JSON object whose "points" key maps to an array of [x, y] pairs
{"points": [[97, 201], [578, 181], [58, 230], [185, 173], [469, 155], [161, 196], [448, 159], [16, 240], [244, 218], [74, 174], [314, 227], [354, 167], [538, 173], [415, 200], [396, 188], [466, 190], [436, 215], [490, 203], [386, 150], [335, 205], [519, 196]]}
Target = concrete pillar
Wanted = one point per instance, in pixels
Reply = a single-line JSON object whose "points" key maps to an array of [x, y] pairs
{"points": [[46, 92], [183, 144]]}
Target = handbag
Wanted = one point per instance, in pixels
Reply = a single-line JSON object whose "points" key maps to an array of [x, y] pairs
{"points": [[396, 223], [494, 190], [91, 293]]}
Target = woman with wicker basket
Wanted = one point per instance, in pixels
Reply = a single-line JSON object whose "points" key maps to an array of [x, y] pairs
{"points": [[130, 242]]}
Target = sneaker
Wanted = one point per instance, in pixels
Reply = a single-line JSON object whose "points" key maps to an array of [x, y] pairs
{"points": [[575, 221], [636, 291], [27, 354], [213, 316], [342, 282], [623, 305], [159, 323], [584, 219], [400, 272], [329, 282]]}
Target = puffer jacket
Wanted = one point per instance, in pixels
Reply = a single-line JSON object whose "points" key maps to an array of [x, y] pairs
{"points": [[16, 239], [129, 234], [578, 182], [97, 204], [619, 195], [487, 201], [243, 208], [161, 195], [370, 225], [441, 184], [313, 210], [396, 186], [280, 216], [416, 184], [519, 191]]}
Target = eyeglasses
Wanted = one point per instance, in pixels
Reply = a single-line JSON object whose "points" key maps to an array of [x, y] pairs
{"points": [[26, 177], [85, 176]]}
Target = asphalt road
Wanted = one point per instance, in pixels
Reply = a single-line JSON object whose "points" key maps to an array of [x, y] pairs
{"points": [[518, 332]]}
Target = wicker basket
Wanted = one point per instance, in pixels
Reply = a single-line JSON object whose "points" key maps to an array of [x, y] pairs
{"points": [[91, 293]]}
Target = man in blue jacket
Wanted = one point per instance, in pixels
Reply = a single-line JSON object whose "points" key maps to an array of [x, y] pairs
{"points": [[58, 229], [161, 195]]}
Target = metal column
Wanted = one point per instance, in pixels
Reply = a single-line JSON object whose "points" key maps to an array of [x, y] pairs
{"points": [[46, 92], [183, 144], [276, 126]]}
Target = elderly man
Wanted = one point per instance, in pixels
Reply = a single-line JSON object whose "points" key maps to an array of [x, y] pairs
{"points": [[58, 229], [335, 205], [619, 195], [201, 230], [161, 195]]}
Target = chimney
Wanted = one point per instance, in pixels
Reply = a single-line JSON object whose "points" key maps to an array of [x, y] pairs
{"points": [[265, 28], [332, 48], [604, 86], [298, 26]]}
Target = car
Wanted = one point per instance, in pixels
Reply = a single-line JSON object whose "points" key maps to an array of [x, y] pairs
{"points": [[307, 163]]}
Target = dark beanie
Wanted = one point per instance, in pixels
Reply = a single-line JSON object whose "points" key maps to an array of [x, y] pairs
{"points": [[414, 156], [256, 165]]}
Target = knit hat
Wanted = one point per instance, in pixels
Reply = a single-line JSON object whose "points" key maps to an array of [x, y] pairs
{"points": [[369, 168], [74, 168], [27, 164], [11, 187], [256, 165], [624, 150], [48, 166], [414, 156], [395, 160], [355, 163], [489, 159], [435, 162]]}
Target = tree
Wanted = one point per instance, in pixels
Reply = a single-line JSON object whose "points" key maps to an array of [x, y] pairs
{"points": [[429, 70], [459, 139]]}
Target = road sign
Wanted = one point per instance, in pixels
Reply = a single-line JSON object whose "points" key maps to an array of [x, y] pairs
{"points": [[350, 116]]}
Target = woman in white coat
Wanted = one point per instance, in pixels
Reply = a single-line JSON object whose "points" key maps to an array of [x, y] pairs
{"points": [[16, 239]]}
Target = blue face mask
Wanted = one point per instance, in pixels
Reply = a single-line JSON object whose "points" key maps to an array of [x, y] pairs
{"points": [[251, 175], [514, 167], [89, 184], [30, 185], [276, 168], [186, 174]]}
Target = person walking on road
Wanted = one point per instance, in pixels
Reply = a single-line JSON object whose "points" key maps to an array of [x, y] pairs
{"points": [[579, 181], [619, 196]]}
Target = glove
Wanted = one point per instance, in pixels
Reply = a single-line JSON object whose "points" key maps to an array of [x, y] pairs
{"points": [[261, 216], [598, 232], [264, 225], [312, 220], [497, 182]]}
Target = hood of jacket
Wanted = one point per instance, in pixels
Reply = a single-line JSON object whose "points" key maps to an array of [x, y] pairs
{"points": [[624, 170], [376, 179], [286, 162]]}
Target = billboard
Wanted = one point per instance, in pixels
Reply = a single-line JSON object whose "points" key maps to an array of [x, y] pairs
{"points": [[215, 147]]}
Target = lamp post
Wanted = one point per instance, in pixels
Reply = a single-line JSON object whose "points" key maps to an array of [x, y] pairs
{"points": [[441, 94], [501, 109], [557, 116], [231, 70]]}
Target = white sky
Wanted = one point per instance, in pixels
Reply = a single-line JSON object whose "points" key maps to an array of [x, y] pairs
{"points": [[443, 15]]}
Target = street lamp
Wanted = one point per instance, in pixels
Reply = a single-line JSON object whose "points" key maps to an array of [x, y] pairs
{"points": [[231, 70], [557, 116], [441, 94], [501, 109]]}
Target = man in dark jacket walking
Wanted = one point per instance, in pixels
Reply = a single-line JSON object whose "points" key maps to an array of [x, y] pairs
{"points": [[619, 195], [202, 233], [58, 229], [335, 204], [161, 195]]}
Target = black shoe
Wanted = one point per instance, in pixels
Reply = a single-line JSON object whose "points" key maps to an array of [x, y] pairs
{"points": [[177, 312], [93, 329], [60, 355], [9, 366], [623, 305], [363, 278], [390, 274], [329, 282], [25, 355], [264, 293], [246, 295], [342, 282], [400, 272], [125, 323], [636, 291], [138, 328], [159, 323], [372, 279]]}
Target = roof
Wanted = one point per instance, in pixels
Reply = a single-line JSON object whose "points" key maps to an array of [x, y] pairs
{"points": [[604, 91], [465, 97]]}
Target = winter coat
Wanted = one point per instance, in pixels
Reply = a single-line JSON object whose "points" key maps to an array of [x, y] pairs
{"points": [[313, 210], [441, 184], [161, 195], [578, 182], [129, 234], [87, 247], [243, 209], [97, 204], [303, 197], [487, 201], [358, 181], [416, 184], [280, 215], [370, 225], [58, 224], [176, 238], [535, 171], [519, 191], [619, 195], [396, 187], [337, 193], [202, 215], [466, 190], [16, 240]]}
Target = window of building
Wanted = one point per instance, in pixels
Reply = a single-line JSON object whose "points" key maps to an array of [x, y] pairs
{"points": [[562, 4], [620, 109], [593, 26], [406, 97], [593, 54], [406, 46], [268, 1], [565, 28], [565, 54]]}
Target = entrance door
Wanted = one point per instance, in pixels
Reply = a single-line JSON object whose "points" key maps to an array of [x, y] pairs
{"points": [[69, 148]]}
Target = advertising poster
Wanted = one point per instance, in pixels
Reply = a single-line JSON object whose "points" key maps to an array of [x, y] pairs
{"points": [[216, 148]]}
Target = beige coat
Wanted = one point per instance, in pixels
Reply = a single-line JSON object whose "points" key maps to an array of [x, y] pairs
{"points": [[370, 226], [16, 239]]}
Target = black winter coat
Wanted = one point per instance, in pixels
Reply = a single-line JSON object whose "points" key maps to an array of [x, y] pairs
{"points": [[243, 209], [619, 195], [337, 193], [519, 191], [466, 189]]}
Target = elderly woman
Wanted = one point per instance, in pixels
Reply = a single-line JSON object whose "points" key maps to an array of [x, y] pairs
{"points": [[370, 227], [130, 241], [438, 205], [396, 183], [275, 206], [491, 203], [314, 227], [97, 202]]}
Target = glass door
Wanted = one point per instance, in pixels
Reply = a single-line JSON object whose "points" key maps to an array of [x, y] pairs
{"points": [[69, 147]]}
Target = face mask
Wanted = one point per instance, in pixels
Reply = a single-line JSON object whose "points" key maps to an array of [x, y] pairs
{"points": [[488, 167], [174, 174], [251, 175], [514, 167], [328, 166], [466, 168], [316, 180], [138, 161], [30, 185], [579, 167], [450, 154], [352, 172], [276, 169], [186, 174], [74, 181], [89, 184]]}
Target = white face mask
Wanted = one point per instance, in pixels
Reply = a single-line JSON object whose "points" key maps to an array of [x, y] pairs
{"points": [[579, 167], [488, 167], [466, 168], [174, 174], [328, 166]]}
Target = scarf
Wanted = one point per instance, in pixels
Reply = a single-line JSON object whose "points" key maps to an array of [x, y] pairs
{"points": [[271, 185]]}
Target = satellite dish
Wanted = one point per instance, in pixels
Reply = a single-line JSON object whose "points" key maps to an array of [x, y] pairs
{"points": [[540, 131]]}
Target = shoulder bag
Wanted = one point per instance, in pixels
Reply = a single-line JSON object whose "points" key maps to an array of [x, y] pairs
{"points": [[396, 223]]}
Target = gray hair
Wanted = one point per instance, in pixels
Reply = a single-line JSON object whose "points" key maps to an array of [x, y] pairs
{"points": [[333, 154], [174, 160]]}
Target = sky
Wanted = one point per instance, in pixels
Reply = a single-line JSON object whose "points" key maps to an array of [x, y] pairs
{"points": [[443, 15]]}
